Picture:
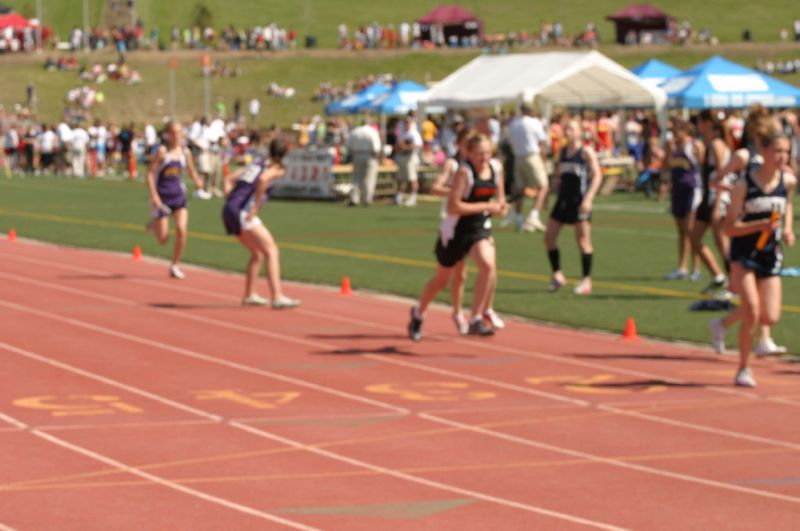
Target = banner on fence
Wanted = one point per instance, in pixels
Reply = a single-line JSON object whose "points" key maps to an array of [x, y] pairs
{"points": [[309, 175]]}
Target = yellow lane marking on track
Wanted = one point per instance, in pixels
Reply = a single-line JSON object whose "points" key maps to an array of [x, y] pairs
{"points": [[353, 441], [345, 253], [416, 470]]}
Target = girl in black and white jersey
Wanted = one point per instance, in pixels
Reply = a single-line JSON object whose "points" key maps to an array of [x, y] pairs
{"points": [[476, 195], [760, 217], [579, 178]]}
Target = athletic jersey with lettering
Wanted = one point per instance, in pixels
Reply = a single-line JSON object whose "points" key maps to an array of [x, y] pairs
{"points": [[573, 174], [242, 197], [759, 206], [171, 168], [477, 191], [685, 167]]}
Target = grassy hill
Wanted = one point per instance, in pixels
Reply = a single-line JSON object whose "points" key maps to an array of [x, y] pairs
{"points": [[301, 70], [726, 18]]}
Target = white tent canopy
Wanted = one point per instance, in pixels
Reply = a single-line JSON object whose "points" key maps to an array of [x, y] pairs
{"points": [[568, 79]]}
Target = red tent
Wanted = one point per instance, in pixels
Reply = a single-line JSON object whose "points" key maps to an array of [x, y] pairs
{"points": [[453, 20], [15, 20], [638, 18]]}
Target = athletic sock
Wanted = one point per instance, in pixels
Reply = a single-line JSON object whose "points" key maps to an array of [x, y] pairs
{"points": [[555, 259], [586, 264]]}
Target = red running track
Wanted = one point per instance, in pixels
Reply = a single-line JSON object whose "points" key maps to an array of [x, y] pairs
{"points": [[132, 401]]}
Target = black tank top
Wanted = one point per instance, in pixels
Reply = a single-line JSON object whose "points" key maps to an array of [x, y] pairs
{"points": [[573, 174], [480, 190], [758, 206]]}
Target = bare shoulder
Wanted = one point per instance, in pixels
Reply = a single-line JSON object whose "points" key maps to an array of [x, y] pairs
{"points": [[790, 179]]}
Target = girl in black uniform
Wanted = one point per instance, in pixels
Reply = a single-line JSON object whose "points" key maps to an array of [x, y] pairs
{"points": [[579, 179], [760, 216], [716, 154], [477, 194]]}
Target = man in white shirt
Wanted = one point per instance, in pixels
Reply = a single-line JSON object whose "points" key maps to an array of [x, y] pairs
{"points": [[150, 141], [80, 141], [254, 107], [409, 145], [48, 146], [64, 133], [528, 141], [365, 151]]}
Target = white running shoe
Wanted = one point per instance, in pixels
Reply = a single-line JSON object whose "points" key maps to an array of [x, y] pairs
{"points": [[718, 336], [491, 316], [677, 275], [744, 378], [462, 325], [767, 347], [202, 194], [175, 272], [695, 276], [254, 300], [584, 287], [284, 302]]}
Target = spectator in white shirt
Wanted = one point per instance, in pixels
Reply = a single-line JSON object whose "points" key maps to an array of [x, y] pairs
{"points": [[254, 108], [409, 145], [528, 141], [80, 141], [365, 151], [48, 147]]}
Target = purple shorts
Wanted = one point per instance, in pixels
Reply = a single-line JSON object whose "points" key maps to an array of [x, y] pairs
{"points": [[173, 196], [685, 199]]}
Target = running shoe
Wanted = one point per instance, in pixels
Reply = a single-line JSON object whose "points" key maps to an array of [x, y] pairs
{"points": [[584, 287], [555, 285], [283, 303], [716, 285], [478, 328], [254, 300], [677, 275], [724, 295], [718, 336], [415, 325], [462, 325], [767, 347], [492, 318], [695, 276], [175, 272], [744, 378]]}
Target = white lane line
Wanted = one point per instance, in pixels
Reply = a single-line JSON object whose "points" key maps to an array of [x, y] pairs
{"points": [[182, 351], [611, 461], [445, 372], [502, 435], [152, 477], [267, 435]]}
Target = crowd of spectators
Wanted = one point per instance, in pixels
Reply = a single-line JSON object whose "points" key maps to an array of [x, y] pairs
{"points": [[783, 67]]}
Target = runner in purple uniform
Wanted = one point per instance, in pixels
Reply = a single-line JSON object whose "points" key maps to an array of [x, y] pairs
{"points": [[246, 190], [168, 193]]}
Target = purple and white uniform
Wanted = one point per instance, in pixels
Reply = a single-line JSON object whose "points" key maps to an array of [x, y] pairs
{"points": [[687, 191], [169, 183], [242, 198]]}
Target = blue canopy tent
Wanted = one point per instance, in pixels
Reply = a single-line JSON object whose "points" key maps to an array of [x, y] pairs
{"points": [[719, 83], [353, 103], [655, 72], [400, 99]]}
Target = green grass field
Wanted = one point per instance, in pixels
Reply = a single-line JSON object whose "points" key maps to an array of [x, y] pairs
{"points": [[726, 18], [389, 249]]}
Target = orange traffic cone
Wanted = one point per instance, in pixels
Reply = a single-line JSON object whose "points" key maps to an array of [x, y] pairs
{"points": [[630, 331], [137, 253], [345, 288], [12, 235]]}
